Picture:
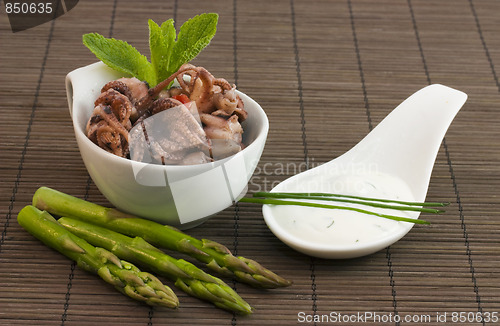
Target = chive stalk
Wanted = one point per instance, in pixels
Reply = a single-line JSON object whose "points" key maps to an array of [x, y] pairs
{"points": [[402, 206], [308, 195], [325, 196]]}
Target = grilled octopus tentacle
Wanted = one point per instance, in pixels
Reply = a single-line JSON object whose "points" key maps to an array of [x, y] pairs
{"points": [[108, 127], [119, 104], [118, 86]]}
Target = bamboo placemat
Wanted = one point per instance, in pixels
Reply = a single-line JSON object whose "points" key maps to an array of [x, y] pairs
{"points": [[326, 72]]}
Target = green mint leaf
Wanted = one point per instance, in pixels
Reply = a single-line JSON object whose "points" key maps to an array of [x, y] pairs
{"points": [[194, 35], [161, 41], [169, 35], [121, 56]]}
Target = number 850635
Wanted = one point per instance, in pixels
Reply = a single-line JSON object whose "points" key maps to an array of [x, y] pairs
{"points": [[28, 8]]}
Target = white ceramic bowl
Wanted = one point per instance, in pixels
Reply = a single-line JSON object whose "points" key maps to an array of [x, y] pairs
{"points": [[181, 196]]}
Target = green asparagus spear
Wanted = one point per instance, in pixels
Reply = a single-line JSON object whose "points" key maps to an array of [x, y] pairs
{"points": [[186, 276], [124, 276], [216, 256]]}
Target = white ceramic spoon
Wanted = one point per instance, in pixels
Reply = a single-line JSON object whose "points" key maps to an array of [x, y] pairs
{"points": [[394, 160]]}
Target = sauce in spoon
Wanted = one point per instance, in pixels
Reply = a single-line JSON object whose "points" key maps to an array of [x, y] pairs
{"points": [[343, 227]]}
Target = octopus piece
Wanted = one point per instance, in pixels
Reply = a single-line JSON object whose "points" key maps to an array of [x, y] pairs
{"points": [[134, 89], [201, 90], [138, 88], [171, 136], [225, 102], [209, 93], [225, 134], [229, 103], [119, 104], [118, 86], [110, 122], [107, 132], [163, 104], [196, 158], [219, 128]]}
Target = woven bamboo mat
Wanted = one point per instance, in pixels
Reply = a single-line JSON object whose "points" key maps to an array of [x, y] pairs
{"points": [[326, 72]]}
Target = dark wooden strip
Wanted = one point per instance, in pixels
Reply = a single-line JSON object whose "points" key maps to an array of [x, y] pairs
{"points": [[26, 138], [453, 177], [312, 264]]}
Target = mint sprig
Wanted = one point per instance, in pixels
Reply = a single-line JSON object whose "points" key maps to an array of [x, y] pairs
{"points": [[168, 50], [120, 56], [161, 43], [194, 36]]}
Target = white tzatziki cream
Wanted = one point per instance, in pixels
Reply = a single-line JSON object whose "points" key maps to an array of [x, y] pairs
{"points": [[343, 227]]}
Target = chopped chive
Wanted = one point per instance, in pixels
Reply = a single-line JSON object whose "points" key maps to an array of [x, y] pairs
{"points": [[307, 195], [268, 201], [314, 196]]}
